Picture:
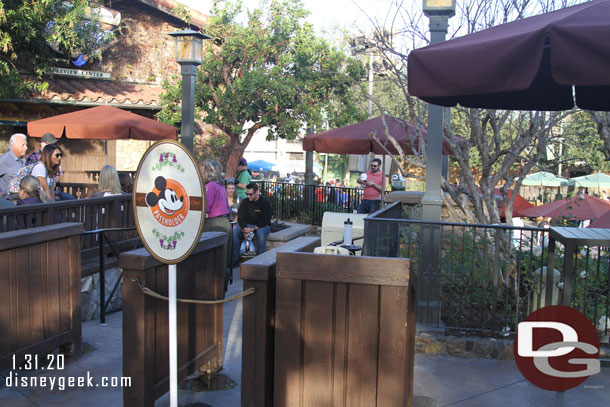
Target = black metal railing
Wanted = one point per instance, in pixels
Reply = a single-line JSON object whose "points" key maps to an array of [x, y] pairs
{"points": [[490, 277], [115, 250], [307, 203]]}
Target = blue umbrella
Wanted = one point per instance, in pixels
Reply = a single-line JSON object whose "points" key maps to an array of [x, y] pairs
{"points": [[260, 165]]}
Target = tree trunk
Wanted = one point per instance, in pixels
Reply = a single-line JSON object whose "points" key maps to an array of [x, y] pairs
{"points": [[231, 165]]}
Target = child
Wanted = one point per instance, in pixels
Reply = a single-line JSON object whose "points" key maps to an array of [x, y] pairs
{"points": [[30, 191]]}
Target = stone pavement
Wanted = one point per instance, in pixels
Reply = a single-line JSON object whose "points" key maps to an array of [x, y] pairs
{"points": [[450, 381]]}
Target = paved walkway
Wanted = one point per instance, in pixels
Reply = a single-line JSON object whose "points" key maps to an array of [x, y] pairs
{"points": [[451, 381]]}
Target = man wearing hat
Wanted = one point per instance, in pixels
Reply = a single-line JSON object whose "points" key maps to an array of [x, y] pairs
{"points": [[46, 139], [242, 178]]}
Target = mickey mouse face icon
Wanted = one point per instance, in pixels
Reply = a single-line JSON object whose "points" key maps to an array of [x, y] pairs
{"points": [[168, 201]]}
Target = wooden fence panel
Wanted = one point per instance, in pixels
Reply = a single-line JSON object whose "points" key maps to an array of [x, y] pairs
{"points": [[40, 305], [319, 354], [94, 213], [361, 367], [258, 331], [145, 319], [344, 331]]}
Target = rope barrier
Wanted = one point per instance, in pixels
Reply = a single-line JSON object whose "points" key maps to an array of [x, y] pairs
{"points": [[148, 291]]}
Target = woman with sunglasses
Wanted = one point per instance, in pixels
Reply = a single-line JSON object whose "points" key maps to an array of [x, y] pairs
{"points": [[47, 168]]}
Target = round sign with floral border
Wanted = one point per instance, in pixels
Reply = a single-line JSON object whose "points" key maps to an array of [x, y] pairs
{"points": [[168, 201]]}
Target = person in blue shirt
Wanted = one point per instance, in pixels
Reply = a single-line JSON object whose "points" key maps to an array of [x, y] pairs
{"points": [[12, 161]]}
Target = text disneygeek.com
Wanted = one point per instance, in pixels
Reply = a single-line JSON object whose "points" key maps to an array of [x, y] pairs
{"points": [[16, 380]]}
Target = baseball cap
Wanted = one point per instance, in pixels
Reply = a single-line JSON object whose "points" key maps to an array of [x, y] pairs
{"points": [[243, 162], [48, 138]]}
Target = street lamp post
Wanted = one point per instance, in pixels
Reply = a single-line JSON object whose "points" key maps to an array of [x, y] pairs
{"points": [[439, 12], [189, 54]]}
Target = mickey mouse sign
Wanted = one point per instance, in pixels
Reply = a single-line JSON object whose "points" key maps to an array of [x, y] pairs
{"points": [[168, 202]]}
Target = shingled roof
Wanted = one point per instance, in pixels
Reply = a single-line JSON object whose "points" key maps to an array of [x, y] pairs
{"points": [[198, 19], [100, 92]]}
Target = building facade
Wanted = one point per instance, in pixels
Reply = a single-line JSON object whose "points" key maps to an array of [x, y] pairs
{"points": [[128, 76]]}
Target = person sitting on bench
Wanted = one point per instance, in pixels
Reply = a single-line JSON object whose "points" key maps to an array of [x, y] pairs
{"points": [[254, 215]]}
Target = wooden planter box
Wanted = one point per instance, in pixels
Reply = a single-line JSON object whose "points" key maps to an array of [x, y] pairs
{"points": [[344, 331], [326, 330], [40, 281], [145, 319]]}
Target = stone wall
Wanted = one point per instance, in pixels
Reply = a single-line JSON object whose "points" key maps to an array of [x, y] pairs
{"points": [[143, 53], [431, 343], [129, 153], [90, 294], [465, 347]]}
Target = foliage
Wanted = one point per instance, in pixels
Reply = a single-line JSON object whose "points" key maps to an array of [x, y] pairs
{"points": [[170, 100], [183, 13], [26, 29], [491, 148], [270, 72], [582, 144], [602, 119], [471, 293], [591, 293], [337, 165]]}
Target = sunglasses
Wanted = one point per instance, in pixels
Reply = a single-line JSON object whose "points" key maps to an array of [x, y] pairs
{"points": [[374, 166], [58, 155], [250, 194]]}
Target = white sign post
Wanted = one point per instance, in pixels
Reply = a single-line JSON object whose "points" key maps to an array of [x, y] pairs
{"points": [[168, 205]]}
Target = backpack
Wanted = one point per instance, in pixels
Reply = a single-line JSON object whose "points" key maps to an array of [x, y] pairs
{"points": [[247, 248], [13, 185]]}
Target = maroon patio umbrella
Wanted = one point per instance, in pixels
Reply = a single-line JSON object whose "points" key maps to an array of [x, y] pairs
{"points": [[519, 205], [355, 139], [102, 123], [603, 222], [529, 64], [578, 207]]}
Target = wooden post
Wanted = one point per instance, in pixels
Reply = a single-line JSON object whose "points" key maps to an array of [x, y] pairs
{"points": [[145, 319]]}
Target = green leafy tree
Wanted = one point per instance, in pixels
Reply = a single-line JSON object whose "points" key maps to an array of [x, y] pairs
{"points": [[26, 30], [582, 144], [602, 120], [270, 71]]}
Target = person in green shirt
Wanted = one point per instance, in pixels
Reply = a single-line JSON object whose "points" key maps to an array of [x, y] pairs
{"points": [[242, 179]]}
